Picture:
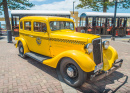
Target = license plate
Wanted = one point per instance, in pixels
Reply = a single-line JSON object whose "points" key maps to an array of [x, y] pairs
{"points": [[98, 67]]}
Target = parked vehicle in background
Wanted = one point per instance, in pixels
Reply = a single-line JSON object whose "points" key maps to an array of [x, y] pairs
{"points": [[53, 41], [102, 23]]}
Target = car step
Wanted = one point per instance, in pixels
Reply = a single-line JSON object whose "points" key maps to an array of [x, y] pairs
{"points": [[37, 57]]}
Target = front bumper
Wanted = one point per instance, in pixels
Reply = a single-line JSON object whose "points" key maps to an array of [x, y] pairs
{"points": [[101, 74]]}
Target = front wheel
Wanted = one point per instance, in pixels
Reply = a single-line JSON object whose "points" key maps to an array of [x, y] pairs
{"points": [[21, 50], [72, 74]]}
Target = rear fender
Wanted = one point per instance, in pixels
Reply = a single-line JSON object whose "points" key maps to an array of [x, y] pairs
{"points": [[19, 39], [82, 59]]}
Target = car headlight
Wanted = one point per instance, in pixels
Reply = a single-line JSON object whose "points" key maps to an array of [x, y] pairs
{"points": [[105, 44], [89, 48]]}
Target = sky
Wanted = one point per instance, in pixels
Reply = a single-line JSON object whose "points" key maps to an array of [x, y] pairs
{"points": [[64, 5]]}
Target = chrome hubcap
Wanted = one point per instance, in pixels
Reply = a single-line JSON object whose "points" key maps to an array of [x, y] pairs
{"points": [[21, 49], [70, 72]]}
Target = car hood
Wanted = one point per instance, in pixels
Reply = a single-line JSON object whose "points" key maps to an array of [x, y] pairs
{"points": [[71, 35]]}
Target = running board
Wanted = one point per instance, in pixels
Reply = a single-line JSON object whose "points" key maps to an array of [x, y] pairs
{"points": [[37, 57]]}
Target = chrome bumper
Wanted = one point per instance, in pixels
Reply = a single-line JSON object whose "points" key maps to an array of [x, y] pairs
{"points": [[102, 74]]}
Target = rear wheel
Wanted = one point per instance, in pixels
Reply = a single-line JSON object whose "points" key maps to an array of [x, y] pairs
{"points": [[21, 50], [72, 74]]}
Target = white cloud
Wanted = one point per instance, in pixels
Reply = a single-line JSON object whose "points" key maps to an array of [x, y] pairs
{"points": [[66, 5], [62, 5]]}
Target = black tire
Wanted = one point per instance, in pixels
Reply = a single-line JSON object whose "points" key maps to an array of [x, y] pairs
{"points": [[21, 50], [79, 76]]}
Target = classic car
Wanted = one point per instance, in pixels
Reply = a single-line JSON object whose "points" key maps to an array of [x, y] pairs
{"points": [[53, 41]]}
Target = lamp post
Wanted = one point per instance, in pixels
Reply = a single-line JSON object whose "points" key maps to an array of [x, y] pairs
{"points": [[116, 1], [73, 9], [113, 34]]}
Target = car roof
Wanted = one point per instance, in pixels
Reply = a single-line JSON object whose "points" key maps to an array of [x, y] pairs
{"points": [[50, 18]]}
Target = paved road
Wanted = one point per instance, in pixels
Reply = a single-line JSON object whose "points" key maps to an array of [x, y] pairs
{"points": [[117, 38], [28, 76]]}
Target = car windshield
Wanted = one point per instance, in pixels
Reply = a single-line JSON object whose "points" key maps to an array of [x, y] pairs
{"points": [[58, 25]]}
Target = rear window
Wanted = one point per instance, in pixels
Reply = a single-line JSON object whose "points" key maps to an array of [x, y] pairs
{"points": [[27, 25]]}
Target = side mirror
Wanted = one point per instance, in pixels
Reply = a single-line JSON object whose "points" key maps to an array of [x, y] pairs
{"points": [[44, 29]]}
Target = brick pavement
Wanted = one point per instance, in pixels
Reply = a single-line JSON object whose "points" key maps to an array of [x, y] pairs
{"points": [[19, 75], [25, 75]]}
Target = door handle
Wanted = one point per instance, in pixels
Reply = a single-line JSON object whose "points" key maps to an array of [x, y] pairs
{"points": [[30, 36]]}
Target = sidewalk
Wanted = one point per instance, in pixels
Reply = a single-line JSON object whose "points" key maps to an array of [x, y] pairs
{"points": [[19, 75]]}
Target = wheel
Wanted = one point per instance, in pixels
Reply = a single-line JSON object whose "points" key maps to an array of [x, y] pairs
{"points": [[72, 74], [21, 50]]}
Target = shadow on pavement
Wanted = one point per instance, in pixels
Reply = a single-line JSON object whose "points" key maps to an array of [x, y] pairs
{"points": [[49, 70], [99, 86], [104, 85]]}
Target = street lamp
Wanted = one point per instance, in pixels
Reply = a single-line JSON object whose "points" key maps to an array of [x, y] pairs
{"points": [[113, 34], [73, 9], [116, 1]]}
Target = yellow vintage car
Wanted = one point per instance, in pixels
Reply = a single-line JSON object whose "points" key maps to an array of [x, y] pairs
{"points": [[53, 41]]}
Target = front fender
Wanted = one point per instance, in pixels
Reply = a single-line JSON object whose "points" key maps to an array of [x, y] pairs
{"points": [[19, 39], [82, 59], [109, 56]]}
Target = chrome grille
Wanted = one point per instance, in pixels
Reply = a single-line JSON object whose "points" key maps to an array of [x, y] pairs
{"points": [[97, 51]]}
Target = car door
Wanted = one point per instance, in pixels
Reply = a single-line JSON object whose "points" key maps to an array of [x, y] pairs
{"points": [[27, 33], [40, 38]]}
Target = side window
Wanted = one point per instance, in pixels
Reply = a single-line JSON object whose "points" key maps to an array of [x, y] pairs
{"points": [[71, 26], [55, 25], [40, 27], [21, 25], [27, 25]]}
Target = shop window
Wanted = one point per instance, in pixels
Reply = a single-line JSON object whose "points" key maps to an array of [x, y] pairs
{"points": [[90, 22], [83, 21]]}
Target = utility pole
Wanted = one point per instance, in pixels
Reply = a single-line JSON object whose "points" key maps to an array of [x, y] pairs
{"points": [[114, 30], [73, 9]]}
